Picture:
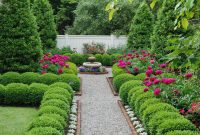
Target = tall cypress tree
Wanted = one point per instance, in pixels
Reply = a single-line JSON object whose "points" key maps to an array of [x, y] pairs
{"points": [[141, 28], [164, 27], [20, 45], [45, 20]]}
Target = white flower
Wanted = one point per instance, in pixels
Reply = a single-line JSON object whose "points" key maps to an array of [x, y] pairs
{"points": [[130, 112], [136, 123], [140, 130], [71, 131], [126, 107], [131, 115], [144, 133], [139, 126], [71, 126], [129, 109]]}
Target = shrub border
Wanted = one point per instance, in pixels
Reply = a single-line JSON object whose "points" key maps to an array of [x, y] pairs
{"points": [[110, 80], [79, 93]]}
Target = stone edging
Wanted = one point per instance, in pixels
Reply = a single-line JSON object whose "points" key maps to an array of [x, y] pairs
{"points": [[94, 73], [111, 85], [136, 127]]}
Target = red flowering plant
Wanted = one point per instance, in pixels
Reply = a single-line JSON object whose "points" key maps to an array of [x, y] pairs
{"points": [[53, 63], [136, 62]]}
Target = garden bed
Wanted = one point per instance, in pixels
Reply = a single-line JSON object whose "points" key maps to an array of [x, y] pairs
{"points": [[110, 82], [94, 73], [79, 93]]}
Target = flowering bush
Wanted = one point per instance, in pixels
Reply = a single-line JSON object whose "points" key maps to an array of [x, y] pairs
{"points": [[136, 62], [93, 48], [53, 63]]}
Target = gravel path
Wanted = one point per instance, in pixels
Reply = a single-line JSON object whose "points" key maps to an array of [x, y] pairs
{"points": [[100, 113]]}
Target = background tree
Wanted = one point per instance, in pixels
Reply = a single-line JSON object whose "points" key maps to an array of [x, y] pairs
{"points": [[45, 21], [20, 45], [64, 13], [141, 28], [91, 18]]}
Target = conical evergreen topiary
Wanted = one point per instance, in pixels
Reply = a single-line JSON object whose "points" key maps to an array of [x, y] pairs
{"points": [[45, 20], [164, 27], [20, 45], [141, 28]]}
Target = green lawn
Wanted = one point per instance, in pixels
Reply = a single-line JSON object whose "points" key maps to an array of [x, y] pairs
{"points": [[15, 120]]}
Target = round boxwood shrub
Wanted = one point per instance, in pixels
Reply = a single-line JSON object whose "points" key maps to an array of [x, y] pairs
{"points": [[54, 96], [2, 93], [70, 79], [10, 77], [117, 71], [121, 79], [175, 124], [126, 87], [141, 99], [44, 121], [57, 117], [37, 91], [60, 91], [76, 58], [44, 131], [147, 103], [106, 60], [136, 93], [182, 132], [52, 110], [63, 85], [152, 109], [72, 69], [140, 76], [48, 78], [57, 103], [17, 94], [133, 90], [99, 58], [29, 77], [159, 118]]}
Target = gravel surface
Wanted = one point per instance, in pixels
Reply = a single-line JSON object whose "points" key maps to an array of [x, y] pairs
{"points": [[100, 113]]}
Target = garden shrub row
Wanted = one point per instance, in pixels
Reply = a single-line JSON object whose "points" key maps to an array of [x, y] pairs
{"points": [[72, 69], [159, 118], [105, 59], [53, 115], [29, 95], [48, 78]]}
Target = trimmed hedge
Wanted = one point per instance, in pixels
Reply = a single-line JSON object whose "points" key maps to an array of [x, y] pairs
{"points": [[132, 91], [54, 96], [44, 131], [106, 60], [126, 87], [57, 103], [72, 69], [63, 85], [48, 78], [117, 71], [121, 79], [2, 93], [182, 132]]}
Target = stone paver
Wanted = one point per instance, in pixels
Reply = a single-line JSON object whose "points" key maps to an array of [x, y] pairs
{"points": [[100, 113]]}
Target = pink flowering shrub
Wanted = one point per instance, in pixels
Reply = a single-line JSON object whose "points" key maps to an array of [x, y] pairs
{"points": [[53, 63]]}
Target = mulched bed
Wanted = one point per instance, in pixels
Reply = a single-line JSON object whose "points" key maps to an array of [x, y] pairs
{"points": [[133, 130], [110, 82]]}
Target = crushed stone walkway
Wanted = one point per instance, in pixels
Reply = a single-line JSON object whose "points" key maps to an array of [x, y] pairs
{"points": [[100, 113]]}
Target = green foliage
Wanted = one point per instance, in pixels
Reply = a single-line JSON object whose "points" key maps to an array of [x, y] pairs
{"points": [[78, 59], [48, 78], [44, 131], [91, 18], [159, 118], [126, 87], [132, 91], [117, 71], [70, 79], [99, 58], [121, 79], [44, 121], [72, 69], [54, 96], [141, 28], [37, 91], [29, 77], [2, 93], [63, 51], [164, 27], [140, 76], [182, 132], [57, 117], [63, 85], [45, 20], [52, 110], [106, 60], [10, 77], [152, 109], [20, 45], [175, 124], [57, 103], [17, 94]]}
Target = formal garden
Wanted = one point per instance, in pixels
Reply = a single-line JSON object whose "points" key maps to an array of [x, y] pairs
{"points": [[148, 86]]}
